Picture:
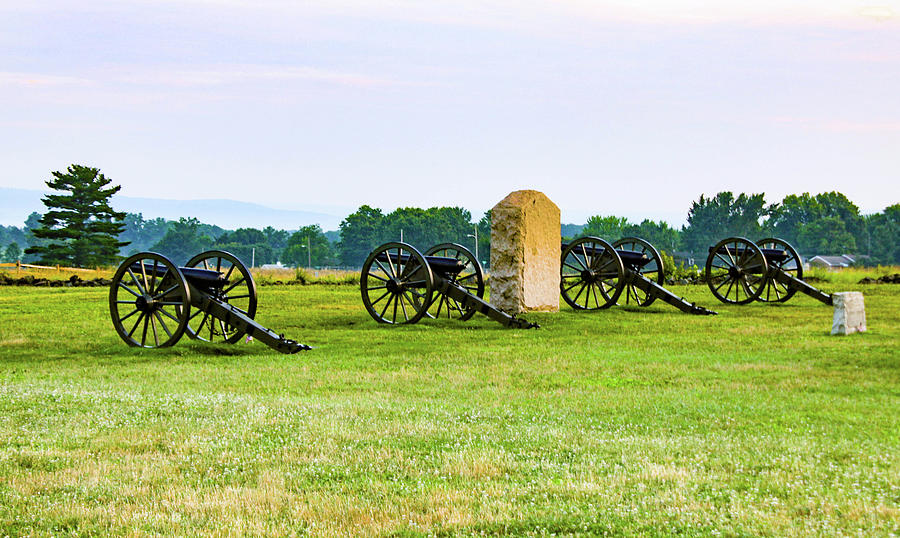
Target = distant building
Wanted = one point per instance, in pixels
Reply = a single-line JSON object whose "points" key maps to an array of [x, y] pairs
{"points": [[831, 262], [276, 265]]}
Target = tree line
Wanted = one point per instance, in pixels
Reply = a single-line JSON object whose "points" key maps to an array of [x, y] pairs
{"points": [[80, 228]]}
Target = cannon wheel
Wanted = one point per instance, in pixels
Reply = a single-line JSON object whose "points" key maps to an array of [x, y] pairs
{"points": [[592, 275], [471, 278], [652, 270], [396, 284], [240, 293], [150, 303], [793, 265], [736, 271]]}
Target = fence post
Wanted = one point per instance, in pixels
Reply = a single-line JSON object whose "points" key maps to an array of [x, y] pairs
{"points": [[18, 266]]}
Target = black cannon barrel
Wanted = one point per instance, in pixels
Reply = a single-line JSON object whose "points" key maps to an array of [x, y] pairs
{"points": [[438, 264], [201, 277], [776, 255]]}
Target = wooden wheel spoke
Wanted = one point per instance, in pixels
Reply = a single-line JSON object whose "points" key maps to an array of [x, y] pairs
{"points": [[573, 285], [144, 274], [133, 312], [152, 287], [231, 287], [155, 334], [170, 316], [416, 293], [144, 333], [136, 323], [129, 290], [577, 259], [162, 324], [726, 262], [137, 283], [386, 272], [440, 303], [168, 291], [580, 291], [386, 305]]}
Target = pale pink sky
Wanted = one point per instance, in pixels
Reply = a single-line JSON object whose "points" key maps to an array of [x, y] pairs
{"points": [[626, 108]]}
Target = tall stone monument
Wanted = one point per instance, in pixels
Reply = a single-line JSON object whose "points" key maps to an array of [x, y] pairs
{"points": [[525, 250]]}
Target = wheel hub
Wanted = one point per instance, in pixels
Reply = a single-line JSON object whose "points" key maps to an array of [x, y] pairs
{"points": [[394, 286], [587, 276], [145, 303], [735, 272]]}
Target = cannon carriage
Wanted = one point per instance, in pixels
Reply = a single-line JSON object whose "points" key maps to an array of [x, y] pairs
{"points": [[739, 271], [400, 285], [153, 302], [595, 273]]}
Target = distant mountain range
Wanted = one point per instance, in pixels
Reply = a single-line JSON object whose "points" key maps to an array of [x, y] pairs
{"points": [[17, 204]]}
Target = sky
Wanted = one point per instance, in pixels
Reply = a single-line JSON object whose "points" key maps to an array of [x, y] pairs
{"points": [[629, 108]]}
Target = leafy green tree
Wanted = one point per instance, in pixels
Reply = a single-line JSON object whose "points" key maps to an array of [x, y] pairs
{"points": [[308, 246], [32, 223], [12, 253], [183, 240], [883, 237], [797, 220], [424, 228], [835, 204], [660, 234], [609, 228], [570, 231], [361, 232], [142, 233], [277, 239], [12, 234], [249, 245], [484, 238], [81, 227], [827, 235], [713, 219], [791, 215]]}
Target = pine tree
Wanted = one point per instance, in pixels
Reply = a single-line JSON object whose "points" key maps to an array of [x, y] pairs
{"points": [[80, 228]]}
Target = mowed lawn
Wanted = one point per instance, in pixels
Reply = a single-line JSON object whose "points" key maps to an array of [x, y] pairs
{"points": [[625, 422]]}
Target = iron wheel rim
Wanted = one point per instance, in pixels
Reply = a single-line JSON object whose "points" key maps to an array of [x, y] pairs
{"points": [[471, 278], [652, 270], [240, 294], [396, 278], [150, 290], [735, 267], [792, 265], [590, 267]]}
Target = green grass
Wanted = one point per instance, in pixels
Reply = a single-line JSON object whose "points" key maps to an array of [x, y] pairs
{"points": [[628, 422]]}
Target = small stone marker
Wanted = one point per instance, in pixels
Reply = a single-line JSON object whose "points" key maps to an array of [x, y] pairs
{"points": [[525, 250], [849, 313]]}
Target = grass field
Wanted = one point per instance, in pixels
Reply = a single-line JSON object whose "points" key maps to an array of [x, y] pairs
{"points": [[622, 422]]}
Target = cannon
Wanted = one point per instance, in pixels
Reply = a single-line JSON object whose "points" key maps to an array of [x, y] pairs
{"points": [[153, 302], [739, 271], [595, 273], [400, 285]]}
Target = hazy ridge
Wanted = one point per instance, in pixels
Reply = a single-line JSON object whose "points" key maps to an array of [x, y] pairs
{"points": [[17, 204]]}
